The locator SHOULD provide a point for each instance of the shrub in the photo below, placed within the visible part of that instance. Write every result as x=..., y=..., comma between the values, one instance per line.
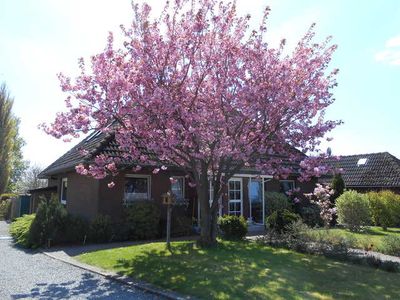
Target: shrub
x=331, y=244
x=232, y=227
x=142, y=220
x=321, y=196
x=7, y=196
x=181, y=226
x=5, y=209
x=280, y=219
x=76, y=229
x=276, y=201
x=100, y=229
x=338, y=186
x=392, y=201
x=353, y=210
x=19, y=230
x=311, y=215
x=297, y=236
x=49, y=223
x=390, y=245
x=380, y=209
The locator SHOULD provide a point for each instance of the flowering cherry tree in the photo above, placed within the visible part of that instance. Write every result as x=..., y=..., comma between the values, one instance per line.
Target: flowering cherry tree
x=198, y=89
x=322, y=197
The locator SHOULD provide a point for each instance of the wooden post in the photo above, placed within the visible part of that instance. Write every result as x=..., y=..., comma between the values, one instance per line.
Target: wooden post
x=168, y=200
x=169, y=226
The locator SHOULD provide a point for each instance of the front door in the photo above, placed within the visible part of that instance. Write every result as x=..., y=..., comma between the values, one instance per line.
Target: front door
x=235, y=197
x=256, y=200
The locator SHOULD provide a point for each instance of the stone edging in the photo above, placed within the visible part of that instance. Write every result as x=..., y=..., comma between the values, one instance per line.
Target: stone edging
x=126, y=280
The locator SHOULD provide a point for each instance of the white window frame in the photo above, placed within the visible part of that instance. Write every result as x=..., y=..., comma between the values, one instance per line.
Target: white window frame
x=183, y=185
x=241, y=195
x=148, y=177
x=63, y=180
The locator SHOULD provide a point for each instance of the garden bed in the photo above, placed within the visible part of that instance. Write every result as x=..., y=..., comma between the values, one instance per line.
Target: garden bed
x=371, y=238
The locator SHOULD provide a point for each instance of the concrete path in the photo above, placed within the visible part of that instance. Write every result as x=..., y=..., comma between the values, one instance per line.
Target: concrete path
x=33, y=275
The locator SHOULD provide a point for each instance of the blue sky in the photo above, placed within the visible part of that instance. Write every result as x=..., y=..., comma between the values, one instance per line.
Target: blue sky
x=40, y=38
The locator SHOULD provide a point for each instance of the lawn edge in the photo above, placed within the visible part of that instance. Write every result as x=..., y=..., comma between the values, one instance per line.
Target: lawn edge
x=126, y=280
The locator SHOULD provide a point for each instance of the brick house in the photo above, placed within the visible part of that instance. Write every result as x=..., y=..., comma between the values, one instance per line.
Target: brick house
x=368, y=172
x=88, y=197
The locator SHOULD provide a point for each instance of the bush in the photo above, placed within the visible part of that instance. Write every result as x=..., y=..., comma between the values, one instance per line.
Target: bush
x=100, y=229
x=142, y=220
x=232, y=227
x=390, y=245
x=7, y=196
x=276, y=201
x=5, y=209
x=49, y=223
x=311, y=215
x=380, y=209
x=76, y=229
x=181, y=226
x=279, y=220
x=19, y=230
x=353, y=210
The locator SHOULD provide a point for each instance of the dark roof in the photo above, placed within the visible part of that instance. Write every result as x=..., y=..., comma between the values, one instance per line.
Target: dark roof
x=368, y=170
x=43, y=189
x=104, y=143
x=93, y=143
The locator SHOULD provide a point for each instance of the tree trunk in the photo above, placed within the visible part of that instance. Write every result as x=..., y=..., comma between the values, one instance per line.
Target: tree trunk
x=208, y=216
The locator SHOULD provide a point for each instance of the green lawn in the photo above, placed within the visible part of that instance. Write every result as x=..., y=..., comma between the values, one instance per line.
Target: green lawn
x=246, y=270
x=371, y=236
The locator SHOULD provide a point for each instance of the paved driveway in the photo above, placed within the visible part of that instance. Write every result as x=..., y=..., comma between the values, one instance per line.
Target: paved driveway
x=30, y=275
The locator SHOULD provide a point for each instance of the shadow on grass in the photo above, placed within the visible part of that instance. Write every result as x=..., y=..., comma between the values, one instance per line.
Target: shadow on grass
x=246, y=270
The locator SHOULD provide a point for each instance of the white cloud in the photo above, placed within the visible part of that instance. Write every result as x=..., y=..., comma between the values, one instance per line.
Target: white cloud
x=393, y=42
x=391, y=53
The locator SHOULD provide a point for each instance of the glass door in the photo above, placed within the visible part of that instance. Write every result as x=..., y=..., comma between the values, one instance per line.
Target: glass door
x=256, y=200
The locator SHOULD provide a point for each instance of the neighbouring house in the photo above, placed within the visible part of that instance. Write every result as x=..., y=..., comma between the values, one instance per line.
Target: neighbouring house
x=368, y=172
x=88, y=197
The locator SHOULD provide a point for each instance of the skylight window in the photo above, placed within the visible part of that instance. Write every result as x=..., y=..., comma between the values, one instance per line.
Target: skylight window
x=361, y=162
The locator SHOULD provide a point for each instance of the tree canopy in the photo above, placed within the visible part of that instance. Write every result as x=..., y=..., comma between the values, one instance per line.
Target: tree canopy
x=198, y=89
x=11, y=161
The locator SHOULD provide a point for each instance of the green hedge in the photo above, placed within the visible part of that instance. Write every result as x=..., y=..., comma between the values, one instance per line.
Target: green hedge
x=276, y=201
x=353, y=210
x=232, y=227
x=142, y=220
x=280, y=220
x=384, y=208
x=20, y=229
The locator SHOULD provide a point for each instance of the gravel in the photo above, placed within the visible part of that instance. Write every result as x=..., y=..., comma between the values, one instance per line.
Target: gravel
x=32, y=275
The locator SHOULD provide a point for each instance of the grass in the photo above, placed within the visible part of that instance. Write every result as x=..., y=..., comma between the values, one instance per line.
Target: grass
x=372, y=236
x=245, y=270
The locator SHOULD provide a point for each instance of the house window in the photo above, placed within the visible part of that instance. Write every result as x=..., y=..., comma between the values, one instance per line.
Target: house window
x=63, y=196
x=178, y=188
x=235, y=197
x=137, y=188
x=286, y=185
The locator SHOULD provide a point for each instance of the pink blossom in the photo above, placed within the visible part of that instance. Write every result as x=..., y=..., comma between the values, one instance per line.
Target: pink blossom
x=111, y=184
x=197, y=91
